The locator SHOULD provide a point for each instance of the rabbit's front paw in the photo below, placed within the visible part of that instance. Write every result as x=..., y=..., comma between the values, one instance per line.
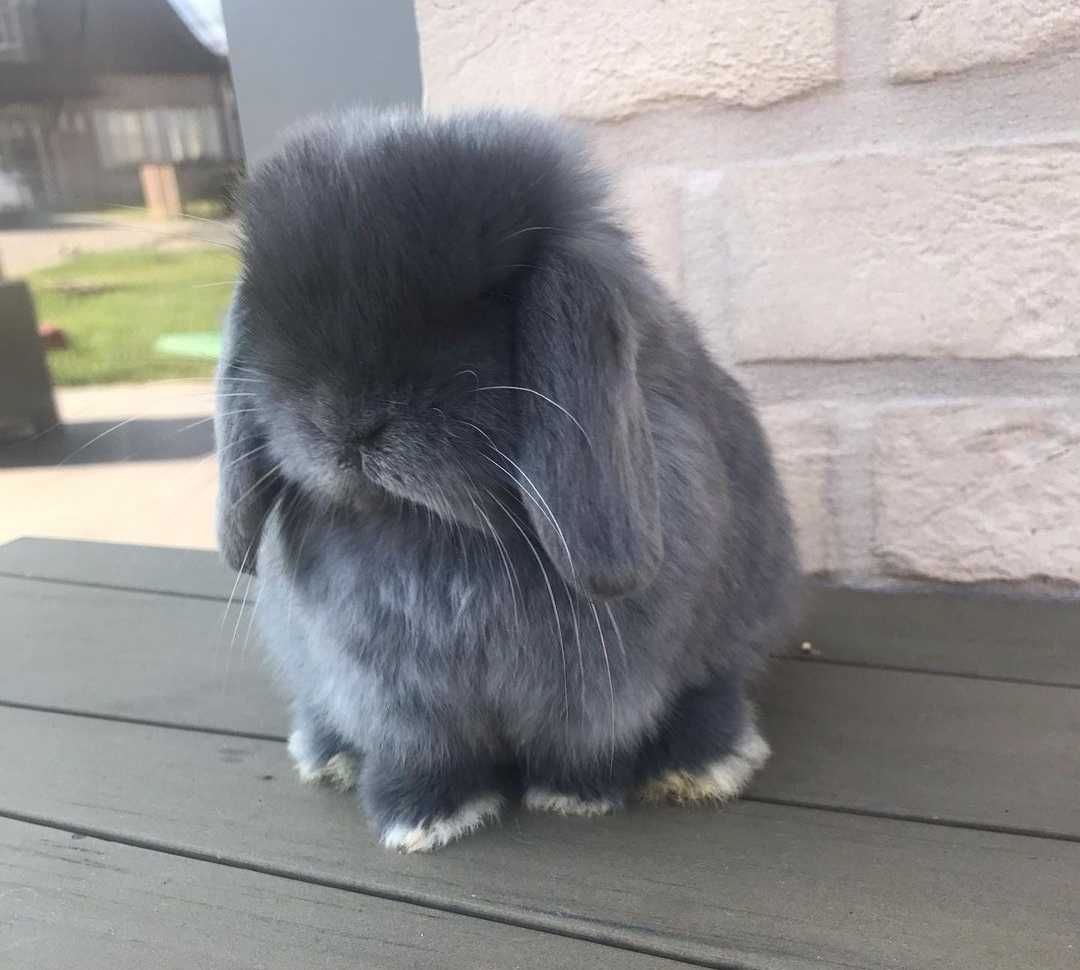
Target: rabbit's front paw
x=339, y=770
x=434, y=833
x=720, y=781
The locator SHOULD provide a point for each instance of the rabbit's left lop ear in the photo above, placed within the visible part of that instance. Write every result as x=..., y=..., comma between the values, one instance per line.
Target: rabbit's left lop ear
x=586, y=445
x=247, y=483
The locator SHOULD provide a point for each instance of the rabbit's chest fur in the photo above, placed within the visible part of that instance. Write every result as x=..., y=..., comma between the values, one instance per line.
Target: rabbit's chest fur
x=427, y=621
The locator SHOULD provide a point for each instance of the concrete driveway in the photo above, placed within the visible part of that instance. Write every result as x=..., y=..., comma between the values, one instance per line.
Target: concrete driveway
x=150, y=480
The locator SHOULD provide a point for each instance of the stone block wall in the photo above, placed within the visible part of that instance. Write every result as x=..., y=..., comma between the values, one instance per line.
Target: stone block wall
x=873, y=208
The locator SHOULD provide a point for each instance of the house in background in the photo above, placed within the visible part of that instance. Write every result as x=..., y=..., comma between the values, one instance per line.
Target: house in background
x=92, y=90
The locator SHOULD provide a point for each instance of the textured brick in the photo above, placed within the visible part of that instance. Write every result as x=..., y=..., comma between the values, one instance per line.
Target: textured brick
x=981, y=492
x=803, y=443
x=964, y=254
x=934, y=37
x=611, y=58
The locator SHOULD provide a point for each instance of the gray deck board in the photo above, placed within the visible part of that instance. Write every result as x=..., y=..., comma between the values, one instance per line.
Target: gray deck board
x=68, y=901
x=119, y=653
x=984, y=752
x=195, y=845
x=1009, y=637
x=1031, y=639
x=188, y=572
x=980, y=752
x=760, y=886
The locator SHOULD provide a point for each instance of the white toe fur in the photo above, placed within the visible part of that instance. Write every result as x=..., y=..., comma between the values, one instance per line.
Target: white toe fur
x=436, y=833
x=544, y=800
x=720, y=781
x=307, y=766
x=339, y=772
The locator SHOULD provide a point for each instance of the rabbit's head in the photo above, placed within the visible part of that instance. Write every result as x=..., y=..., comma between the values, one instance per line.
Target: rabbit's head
x=442, y=313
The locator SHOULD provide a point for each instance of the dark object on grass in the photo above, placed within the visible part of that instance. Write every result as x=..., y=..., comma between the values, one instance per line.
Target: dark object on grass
x=26, y=398
x=52, y=337
x=515, y=531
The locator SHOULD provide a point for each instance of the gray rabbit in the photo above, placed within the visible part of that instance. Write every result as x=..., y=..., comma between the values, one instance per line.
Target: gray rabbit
x=516, y=535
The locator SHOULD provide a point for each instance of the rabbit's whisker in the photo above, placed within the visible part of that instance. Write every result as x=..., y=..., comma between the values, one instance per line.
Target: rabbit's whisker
x=244, y=380
x=223, y=414
x=511, y=573
x=235, y=634
x=164, y=234
x=218, y=452
x=195, y=424
x=145, y=416
x=97, y=438
x=461, y=373
x=182, y=215
x=248, y=491
x=521, y=232
x=543, y=397
x=236, y=584
x=577, y=637
x=618, y=634
x=234, y=367
x=551, y=596
x=247, y=588
x=539, y=501
x=246, y=455
x=251, y=621
x=611, y=683
x=456, y=529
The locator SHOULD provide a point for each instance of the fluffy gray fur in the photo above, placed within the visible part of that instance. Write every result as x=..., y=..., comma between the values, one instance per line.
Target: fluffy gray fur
x=512, y=526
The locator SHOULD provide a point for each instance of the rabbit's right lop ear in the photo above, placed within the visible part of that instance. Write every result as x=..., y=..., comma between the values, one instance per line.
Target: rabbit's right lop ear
x=247, y=483
x=586, y=447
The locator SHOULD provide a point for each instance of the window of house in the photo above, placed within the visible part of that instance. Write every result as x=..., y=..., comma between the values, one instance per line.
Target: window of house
x=158, y=135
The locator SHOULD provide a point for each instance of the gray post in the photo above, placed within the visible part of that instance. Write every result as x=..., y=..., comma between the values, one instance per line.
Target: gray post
x=26, y=398
x=293, y=59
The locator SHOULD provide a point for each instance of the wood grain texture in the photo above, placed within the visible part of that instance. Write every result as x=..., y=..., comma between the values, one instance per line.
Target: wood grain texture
x=129, y=654
x=1013, y=637
x=68, y=901
x=190, y=572
x=1026, y=638
x=972, y=751
x=759, y=886
x=989, y=753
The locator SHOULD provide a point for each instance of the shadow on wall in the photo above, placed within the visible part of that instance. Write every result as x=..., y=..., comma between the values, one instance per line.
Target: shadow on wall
x=100, y=442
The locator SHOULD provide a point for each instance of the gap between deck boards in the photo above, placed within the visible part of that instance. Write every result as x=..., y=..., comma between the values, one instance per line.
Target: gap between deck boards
x=788, y=655
x=752, y=888
x=541, y=924
x=797, y=803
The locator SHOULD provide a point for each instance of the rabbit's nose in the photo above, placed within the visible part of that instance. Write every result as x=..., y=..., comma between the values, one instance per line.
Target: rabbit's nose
x=364, y=433
x=359, y=442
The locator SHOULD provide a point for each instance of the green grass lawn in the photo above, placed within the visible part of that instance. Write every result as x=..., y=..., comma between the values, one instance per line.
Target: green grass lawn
x=114, y=306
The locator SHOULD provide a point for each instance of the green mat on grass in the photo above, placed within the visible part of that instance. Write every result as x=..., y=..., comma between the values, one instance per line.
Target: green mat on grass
x=203, y=345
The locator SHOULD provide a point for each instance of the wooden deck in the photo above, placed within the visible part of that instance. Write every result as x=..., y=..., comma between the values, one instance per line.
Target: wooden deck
x=922, y=809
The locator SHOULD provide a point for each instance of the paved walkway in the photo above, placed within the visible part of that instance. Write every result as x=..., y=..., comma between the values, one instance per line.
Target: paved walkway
x=25, y=250
x=151, y=480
